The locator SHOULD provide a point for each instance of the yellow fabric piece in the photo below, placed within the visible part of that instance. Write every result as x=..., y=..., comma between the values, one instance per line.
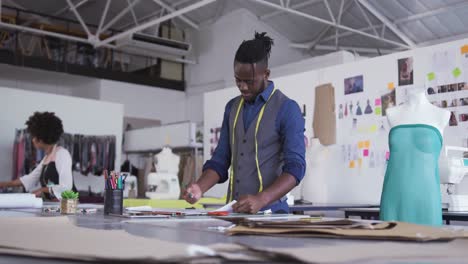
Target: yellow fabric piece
x=173, y=204
x=233, y=141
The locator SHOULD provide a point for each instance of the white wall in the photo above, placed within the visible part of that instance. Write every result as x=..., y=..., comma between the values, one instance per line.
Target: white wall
x=145, y=102
x=344, y=184
x=140, y=101
x=79, y=116
x=48, y=82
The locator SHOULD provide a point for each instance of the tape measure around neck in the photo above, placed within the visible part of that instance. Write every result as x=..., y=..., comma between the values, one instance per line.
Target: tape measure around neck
x=257, y=125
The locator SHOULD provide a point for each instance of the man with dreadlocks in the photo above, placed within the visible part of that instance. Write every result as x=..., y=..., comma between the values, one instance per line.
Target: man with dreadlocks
x=261, y=141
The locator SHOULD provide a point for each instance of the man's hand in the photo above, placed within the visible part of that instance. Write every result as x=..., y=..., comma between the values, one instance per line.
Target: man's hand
x=250, y=204
x=192, y=193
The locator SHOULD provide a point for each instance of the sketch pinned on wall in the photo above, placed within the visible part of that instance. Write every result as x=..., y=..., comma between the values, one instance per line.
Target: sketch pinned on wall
x=405, y=71
x=463, y=117
x=363, y=154
x=448, y=88
x=388, y=100
x=353, y=85
x=346, y=109
x=382, y=126
x=343, y=153
x=453, y=119
x=368, y=108
x=358, y=109
x=214, y=139
x=372, y=160
x=340, y=111
x=443, y=60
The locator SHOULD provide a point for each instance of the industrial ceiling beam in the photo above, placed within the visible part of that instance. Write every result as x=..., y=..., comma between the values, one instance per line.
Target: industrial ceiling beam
x=438, y=11
x=154, y=14
x=296, y=6
x=155, y=21
x=119, y=16
x=67, y=8
x=80, y=19
x=399, y=21
x=327, y=5
x=323, y=21
x=182, y=17
x=387, y=23
x=342, y=10
x=443, y=40
x=103, y=18
x=132, y=11
x=363, y=12
x=355, y=49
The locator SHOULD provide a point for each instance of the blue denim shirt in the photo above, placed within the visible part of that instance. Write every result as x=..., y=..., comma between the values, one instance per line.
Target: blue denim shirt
x=289, y=125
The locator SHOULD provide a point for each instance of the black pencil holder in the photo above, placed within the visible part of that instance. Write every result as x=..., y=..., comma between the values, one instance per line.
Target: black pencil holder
x=113, y=201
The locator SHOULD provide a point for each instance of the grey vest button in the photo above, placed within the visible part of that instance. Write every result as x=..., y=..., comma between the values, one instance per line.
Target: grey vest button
x=242, y=154
x=244, y=141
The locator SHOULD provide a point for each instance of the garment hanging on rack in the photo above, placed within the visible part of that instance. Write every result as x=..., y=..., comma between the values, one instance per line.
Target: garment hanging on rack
x=90, y=153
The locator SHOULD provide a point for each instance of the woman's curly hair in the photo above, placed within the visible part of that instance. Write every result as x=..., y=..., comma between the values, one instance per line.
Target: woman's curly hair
x=45, y=126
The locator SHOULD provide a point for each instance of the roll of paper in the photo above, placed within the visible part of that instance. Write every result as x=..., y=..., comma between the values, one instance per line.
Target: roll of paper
x=19, y=200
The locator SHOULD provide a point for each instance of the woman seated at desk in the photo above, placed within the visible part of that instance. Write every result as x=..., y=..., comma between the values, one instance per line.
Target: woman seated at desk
x=54, y=172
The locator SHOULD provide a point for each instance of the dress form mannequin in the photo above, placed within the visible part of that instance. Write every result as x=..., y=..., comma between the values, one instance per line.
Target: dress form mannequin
x=418, y=110
x=411, y=190
x=165, y=179
x=314, y=187
x=167, y=161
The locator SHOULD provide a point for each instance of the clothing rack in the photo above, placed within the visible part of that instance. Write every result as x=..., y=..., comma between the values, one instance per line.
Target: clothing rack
x=89, y=153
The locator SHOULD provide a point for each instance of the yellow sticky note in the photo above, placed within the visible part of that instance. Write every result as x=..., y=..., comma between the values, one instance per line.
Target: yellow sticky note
x=373, y=128
x=456, y=72
x=391, y=86
x=360, y=163
x=464, y=49
x=361, y=144
x=367, y=144
x=352, y=165
x=431, y=76
x=378, y=111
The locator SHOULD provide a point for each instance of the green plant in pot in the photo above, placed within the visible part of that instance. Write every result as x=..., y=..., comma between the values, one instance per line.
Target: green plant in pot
x=69, y=202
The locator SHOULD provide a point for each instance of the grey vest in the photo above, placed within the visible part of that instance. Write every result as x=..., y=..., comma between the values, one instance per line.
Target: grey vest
x=270, y=151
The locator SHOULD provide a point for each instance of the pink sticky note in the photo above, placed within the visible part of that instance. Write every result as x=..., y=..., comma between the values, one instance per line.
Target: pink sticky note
x=378, y=102
x=365, y=153
x=387, y=155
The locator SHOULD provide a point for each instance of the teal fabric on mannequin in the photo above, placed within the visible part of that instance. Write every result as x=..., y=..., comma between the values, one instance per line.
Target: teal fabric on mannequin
x=411, y=190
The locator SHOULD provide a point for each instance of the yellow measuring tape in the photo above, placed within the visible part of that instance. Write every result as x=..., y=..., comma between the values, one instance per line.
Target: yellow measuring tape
x=260, y=115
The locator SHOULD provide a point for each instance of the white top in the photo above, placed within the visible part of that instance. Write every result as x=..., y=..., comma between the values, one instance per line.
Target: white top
x=63, y=163
x=418, y=110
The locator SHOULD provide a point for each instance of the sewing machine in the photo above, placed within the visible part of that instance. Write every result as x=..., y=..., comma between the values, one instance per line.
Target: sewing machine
x=453, y=169
x=164, y=186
